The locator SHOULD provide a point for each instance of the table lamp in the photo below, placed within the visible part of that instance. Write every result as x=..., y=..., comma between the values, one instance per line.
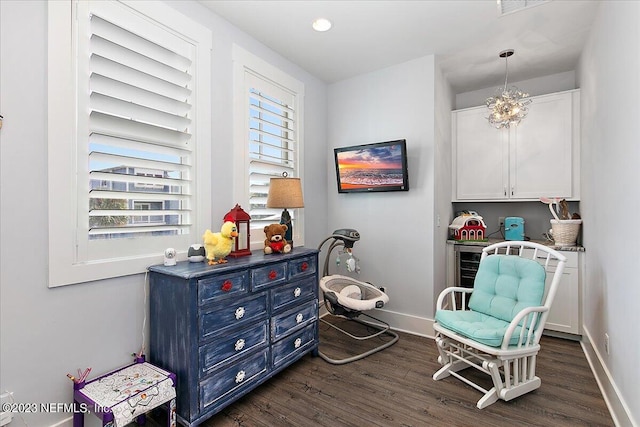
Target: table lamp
x=285, y=193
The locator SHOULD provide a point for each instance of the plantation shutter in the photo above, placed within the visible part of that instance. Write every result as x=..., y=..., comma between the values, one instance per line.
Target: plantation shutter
x=273, y=144
x=139, y=131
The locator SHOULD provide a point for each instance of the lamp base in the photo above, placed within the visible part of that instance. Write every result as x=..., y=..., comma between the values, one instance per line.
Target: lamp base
x=285, y=219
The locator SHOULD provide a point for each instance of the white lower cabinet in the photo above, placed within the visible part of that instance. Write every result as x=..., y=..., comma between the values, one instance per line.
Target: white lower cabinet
x=565, y=315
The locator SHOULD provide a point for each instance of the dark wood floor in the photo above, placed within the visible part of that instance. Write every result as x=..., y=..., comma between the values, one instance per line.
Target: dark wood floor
x=394, y=388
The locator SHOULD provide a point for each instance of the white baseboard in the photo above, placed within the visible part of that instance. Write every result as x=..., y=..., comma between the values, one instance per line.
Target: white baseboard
x=617, y=406
x=415, y=325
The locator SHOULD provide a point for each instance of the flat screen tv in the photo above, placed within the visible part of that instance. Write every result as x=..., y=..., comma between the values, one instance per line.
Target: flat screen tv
x=372, y=167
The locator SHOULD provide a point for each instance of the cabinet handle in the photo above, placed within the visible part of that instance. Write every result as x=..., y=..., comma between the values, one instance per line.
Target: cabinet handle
x=227, y=285
x=297, y=343
x=304, y=266
x=240, y=376
x=299, y=318
x=297, y=292
x=239, y=344
x=512, y=190
x=504, y=189
x=273, y=274
x=239, y=313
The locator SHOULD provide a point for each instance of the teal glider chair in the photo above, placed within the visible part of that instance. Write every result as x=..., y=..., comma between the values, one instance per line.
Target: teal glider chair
x=496, y=326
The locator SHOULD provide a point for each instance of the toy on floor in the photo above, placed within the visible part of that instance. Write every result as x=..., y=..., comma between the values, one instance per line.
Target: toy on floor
x=275, y=241
x=219, y=245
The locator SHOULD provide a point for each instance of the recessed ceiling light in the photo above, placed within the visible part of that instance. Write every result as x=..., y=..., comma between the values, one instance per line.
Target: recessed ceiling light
x=321, y=24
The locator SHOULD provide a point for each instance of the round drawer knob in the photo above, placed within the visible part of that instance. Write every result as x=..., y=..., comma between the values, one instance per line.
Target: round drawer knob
x=240, y=376
x=297, y=343
x=299, y=318
x=239, y=312
x=239, y=344
x=297, y=292
x=273, y=275
x=304, y=266
x=226, y=285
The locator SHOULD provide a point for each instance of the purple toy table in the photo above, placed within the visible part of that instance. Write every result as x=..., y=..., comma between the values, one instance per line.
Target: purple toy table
x=121, y=396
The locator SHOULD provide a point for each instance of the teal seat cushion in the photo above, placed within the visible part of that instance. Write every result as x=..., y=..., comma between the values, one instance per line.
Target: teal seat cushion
x=504, y=285
x=477, y=326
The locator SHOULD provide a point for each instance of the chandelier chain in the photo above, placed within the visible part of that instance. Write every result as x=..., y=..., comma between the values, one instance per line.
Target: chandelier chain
x=506, y=72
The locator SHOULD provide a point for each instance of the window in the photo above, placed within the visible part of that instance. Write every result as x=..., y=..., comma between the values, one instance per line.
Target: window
x=126, y=145
x=269, y=126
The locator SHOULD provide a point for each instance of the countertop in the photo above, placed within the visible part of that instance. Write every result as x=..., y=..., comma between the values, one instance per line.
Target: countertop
x=576, y=248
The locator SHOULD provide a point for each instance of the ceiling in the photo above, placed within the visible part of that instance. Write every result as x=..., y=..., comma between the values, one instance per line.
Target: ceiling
x=465, y=35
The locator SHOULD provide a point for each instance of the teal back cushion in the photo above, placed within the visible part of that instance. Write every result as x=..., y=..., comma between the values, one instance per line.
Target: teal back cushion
x=505, y=284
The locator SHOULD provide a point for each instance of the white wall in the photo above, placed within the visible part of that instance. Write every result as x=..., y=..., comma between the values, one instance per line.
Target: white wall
x=538, y=86
x=609, y=77
x=396, y=228
x=444, y=100
x=45, y=333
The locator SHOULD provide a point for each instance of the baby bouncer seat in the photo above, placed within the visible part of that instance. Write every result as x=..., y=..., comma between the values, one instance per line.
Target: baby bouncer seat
x=348, y=298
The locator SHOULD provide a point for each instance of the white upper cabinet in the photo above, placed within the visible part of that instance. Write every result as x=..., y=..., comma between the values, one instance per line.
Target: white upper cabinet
x=538, y=158
x=480, y=166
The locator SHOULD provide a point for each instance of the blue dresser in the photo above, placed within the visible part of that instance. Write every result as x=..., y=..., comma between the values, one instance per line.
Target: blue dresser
x=227, y=328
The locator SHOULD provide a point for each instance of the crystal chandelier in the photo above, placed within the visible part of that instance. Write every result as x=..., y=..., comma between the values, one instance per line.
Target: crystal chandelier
x=508, y=107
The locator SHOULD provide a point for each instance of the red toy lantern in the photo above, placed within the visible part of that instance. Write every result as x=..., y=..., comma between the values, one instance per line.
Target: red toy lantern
x=242, y=221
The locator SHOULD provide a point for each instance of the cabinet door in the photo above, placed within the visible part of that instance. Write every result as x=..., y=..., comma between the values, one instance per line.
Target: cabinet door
x=480, y=157
x=541, y=150
x=564, y=315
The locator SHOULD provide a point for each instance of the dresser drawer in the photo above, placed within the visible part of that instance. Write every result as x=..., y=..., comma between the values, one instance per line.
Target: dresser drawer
x=235, y=313
x=294, y=293
x=293, y=319
x=217, y=287
x=231, y=346
x=289, y=347
x=302, y=267
x=270, y=275
x=222, y=383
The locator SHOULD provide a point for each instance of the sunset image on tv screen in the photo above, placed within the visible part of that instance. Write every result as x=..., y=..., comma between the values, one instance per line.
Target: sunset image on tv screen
x=371, y=167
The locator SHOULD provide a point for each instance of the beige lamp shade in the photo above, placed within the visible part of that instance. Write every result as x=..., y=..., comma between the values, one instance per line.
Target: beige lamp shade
x=285, y=193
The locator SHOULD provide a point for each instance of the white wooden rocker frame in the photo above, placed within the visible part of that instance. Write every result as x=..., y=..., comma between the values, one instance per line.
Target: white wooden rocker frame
x=511, y=367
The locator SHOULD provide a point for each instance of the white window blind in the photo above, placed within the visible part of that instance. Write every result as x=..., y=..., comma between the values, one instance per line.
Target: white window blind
x=139, y=135
x=129, y=136
x=273, y=144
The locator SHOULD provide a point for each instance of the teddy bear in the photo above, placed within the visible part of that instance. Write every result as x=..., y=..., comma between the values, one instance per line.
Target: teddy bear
x=275, y=241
